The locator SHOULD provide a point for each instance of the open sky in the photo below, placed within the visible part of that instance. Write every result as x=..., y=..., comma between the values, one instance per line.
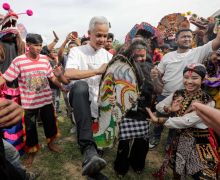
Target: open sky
x=64, y=16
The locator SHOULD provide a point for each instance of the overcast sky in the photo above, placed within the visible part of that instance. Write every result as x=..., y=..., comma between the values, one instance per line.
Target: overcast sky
x=64, y=16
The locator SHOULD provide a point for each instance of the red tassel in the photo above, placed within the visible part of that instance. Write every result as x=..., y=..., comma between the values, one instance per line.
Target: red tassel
x=95, y=127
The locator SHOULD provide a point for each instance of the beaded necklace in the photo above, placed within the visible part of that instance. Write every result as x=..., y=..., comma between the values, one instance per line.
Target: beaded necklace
x=189, y=98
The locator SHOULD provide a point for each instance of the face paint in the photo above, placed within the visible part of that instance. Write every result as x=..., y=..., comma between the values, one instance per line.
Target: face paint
x=139, y=55
x=189, y=73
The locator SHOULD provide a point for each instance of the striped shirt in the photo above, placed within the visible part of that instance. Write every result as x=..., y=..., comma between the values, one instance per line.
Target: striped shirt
x=32, y=79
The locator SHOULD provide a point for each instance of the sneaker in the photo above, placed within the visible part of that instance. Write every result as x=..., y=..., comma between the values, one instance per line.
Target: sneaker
x=98, y=176
x=153, y=143
x=73, y=130
x=31, y=176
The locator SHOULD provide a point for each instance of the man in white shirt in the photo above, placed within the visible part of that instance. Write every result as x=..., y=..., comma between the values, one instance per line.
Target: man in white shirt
x=173, y=63
x=86, y=64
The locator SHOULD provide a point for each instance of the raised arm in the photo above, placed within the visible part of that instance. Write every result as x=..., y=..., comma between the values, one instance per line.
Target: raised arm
x=70, y=37
x=54, y=42
x=62, y=47
x=156, y=77
x=216, y=41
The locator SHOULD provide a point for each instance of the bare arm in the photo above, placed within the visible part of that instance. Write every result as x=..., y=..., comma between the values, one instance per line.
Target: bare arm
x=75, y=74
x=55, y=81
x=156, y=77
x=70, y=37
x=62, y=47
x=2, y=80
x=216, y=41
x=54, y=42
x=59, y=73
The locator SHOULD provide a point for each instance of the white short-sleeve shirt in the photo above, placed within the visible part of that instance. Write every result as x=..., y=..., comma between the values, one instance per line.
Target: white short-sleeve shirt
x=173, y=64
x=86, y=58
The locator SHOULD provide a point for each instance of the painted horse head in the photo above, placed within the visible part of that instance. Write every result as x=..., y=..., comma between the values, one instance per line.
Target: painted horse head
x=205, y=28
x=170, y=24
x=146, y=32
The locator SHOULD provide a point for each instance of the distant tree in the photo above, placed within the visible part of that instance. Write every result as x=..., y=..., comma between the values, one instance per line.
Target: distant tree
x=117, y=45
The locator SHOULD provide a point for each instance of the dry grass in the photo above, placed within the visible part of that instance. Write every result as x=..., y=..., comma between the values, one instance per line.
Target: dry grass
x=67, y=165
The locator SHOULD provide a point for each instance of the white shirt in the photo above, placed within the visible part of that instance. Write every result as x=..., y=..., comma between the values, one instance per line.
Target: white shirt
x=86, y=58
x=173, y=64
x=186, y=121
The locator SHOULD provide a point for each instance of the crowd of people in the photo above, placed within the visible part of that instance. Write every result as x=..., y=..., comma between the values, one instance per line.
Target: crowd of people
x=172, y=94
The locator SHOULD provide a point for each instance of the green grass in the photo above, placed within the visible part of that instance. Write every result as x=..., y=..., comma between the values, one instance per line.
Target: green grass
x=67, y=165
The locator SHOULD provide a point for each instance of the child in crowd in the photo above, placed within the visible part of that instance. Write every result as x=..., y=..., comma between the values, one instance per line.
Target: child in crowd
x=32, y=70
x=191, y=152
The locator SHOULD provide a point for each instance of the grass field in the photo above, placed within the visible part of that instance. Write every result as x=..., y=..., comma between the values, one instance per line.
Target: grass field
x=67, y=165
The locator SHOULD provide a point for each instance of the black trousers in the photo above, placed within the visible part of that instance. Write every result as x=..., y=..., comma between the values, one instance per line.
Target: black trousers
x=48, y=118
x=79, y=101
x=131, y=154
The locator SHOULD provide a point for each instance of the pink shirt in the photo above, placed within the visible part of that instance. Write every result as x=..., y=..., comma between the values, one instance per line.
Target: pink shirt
x=32, y=79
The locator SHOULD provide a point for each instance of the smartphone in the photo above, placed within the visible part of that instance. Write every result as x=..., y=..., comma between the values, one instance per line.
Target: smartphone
x=55, y=35
x=75, y=34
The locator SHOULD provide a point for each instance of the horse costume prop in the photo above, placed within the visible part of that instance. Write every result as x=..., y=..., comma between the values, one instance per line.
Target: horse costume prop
x=144, y=28
x=120, y=79
x=11, y=45
x=150, y=34
x=170, y=24
x=206, y=28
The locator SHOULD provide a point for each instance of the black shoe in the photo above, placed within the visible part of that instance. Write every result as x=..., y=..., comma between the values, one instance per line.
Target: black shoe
x=92, y=162
x=98, y=176
x=93, y=166
x=100, y=152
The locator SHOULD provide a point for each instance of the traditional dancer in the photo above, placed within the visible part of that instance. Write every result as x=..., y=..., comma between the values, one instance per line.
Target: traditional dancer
x=192, y=151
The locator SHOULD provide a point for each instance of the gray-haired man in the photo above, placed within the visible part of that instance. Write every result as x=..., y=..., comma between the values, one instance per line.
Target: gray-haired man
x=85, y=64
